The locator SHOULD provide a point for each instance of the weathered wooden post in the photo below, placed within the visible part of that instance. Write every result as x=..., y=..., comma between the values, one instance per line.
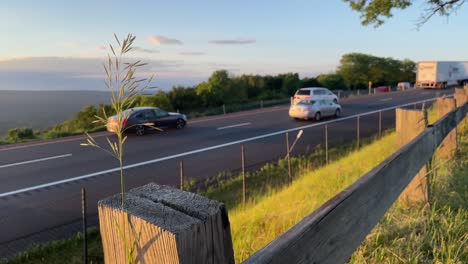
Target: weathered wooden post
x=409, y=124
x=461, y=96
x=448, y=147
x=164, y=225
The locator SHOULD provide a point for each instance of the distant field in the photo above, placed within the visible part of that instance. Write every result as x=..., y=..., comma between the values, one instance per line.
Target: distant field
x=42, y=109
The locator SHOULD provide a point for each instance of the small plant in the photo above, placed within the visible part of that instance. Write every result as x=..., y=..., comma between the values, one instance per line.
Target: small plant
x=125, y=88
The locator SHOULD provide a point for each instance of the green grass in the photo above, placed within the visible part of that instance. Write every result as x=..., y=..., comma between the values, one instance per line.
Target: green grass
x=423, y=234
x=262, y=221
x=63, y=251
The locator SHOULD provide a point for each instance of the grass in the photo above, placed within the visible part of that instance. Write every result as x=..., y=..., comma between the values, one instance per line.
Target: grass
x=423, y=234
x=63, y=251
x=260, y=222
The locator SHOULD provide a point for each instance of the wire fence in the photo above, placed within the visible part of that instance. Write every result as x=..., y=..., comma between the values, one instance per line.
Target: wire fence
x=57, y=213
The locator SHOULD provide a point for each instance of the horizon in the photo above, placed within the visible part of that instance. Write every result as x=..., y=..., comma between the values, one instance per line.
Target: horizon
x=57, y=46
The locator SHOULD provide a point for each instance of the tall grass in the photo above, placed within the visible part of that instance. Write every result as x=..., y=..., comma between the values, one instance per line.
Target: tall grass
x=422, y=234
x=261, y=222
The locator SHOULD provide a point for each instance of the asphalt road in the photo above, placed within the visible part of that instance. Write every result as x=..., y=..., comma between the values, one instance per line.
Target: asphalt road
x=41, y=181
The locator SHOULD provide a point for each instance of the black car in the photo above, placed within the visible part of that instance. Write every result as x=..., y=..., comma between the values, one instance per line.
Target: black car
x=142, y=119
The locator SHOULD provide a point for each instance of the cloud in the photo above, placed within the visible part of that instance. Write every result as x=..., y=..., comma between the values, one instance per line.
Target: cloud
x=102, y=48
x=159, y=40
x=232, y=41
x=191, y=53
x=143, y=50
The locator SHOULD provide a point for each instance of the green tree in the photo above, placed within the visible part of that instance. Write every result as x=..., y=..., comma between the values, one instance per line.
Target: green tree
x=160, y=99
x=374, y=12
x=184, y=99
x=355, y=69
x=332, y=81
x=358, y=69
x=290, y=83
x=309, y=82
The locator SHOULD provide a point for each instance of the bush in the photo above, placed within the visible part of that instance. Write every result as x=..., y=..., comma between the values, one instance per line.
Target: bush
x=19, y=134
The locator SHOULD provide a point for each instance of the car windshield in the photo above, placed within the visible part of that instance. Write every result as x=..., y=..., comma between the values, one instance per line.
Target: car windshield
x=307, y=102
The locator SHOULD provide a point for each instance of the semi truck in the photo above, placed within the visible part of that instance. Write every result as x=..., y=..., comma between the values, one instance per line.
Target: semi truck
x=441, y=74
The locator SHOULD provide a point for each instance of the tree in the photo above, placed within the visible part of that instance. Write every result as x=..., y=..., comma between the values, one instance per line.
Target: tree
x=331, y=81
x=290, y=83
x=358, y=69
x=184, y=98
x=374, y=12
x=309, y=82
x=355, y=69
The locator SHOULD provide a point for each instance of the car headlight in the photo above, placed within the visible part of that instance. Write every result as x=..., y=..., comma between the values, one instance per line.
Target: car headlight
x=184, y=117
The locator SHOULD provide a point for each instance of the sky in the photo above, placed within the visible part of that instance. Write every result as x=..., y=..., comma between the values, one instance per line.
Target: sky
x=61, y=45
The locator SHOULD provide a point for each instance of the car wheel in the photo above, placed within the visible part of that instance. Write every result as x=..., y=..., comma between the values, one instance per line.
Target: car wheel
x=180, y=124
x=335, y=101
x=140, y=130
x=318, y=116
x=337, y=112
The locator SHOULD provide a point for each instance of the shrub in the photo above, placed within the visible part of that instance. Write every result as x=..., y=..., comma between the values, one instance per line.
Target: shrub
x=20, y=134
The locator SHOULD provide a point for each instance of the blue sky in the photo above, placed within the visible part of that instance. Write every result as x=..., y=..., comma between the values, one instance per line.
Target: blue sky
x=59, y=44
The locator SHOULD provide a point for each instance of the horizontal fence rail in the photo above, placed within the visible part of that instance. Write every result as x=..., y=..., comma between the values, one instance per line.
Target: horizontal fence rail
x=333, y=232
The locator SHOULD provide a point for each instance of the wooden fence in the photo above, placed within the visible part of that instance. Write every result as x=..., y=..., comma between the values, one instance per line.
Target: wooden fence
x=333, y=232
x=199, y=231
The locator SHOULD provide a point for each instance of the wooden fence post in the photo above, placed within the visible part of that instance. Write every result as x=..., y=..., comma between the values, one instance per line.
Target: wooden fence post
x=164, y=225
x=461, y=96
x=409, y=124
x=449, y=145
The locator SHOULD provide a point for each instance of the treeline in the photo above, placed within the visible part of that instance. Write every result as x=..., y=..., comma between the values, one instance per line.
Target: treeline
x=354, y=72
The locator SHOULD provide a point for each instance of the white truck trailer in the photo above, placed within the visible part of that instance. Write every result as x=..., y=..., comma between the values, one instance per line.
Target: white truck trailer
x=441, y=74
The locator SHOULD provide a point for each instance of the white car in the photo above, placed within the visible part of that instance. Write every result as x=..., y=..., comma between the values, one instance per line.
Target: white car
x=314, y=93
x=314, y=109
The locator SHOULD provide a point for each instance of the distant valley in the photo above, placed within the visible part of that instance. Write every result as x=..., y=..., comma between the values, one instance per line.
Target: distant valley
x=43, y=109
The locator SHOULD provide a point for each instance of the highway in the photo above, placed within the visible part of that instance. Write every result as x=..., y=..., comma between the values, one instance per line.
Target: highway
x=41, y=181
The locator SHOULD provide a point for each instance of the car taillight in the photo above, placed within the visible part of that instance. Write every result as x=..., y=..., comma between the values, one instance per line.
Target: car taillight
x=124, y=122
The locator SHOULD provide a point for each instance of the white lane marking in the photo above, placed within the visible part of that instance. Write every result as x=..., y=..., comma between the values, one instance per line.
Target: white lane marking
x=33, y=161
x=385, y=99
x=238, y=125
x=139, y=164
